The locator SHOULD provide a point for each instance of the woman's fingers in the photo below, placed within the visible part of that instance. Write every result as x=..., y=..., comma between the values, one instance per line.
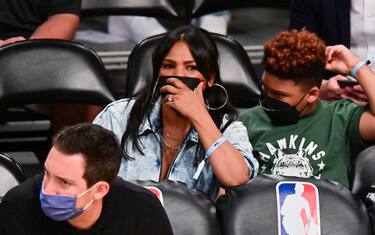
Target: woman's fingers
x=169, y=89
x=176, y=83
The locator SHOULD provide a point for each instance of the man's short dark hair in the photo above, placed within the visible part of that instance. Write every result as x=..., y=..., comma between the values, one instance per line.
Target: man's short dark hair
x=99, y=147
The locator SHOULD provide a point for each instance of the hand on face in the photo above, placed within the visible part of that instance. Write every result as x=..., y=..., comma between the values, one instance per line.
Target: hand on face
x=183, y=100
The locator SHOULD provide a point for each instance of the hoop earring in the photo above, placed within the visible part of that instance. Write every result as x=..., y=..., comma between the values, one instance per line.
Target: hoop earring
x=225, y=102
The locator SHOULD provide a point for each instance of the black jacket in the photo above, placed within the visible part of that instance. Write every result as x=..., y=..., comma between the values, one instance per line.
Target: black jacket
x=127, y=209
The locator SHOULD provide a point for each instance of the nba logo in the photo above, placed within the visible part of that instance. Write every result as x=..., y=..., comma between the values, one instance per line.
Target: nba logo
x=298, y=208
x=157, y=193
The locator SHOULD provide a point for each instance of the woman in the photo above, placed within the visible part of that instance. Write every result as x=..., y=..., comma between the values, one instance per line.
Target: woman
x=176, y=133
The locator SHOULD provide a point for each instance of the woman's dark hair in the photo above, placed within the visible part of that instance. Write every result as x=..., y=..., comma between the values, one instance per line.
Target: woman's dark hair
x=206, y=56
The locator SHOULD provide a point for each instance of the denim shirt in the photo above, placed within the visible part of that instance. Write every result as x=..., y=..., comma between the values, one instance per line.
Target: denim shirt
x=147, y=166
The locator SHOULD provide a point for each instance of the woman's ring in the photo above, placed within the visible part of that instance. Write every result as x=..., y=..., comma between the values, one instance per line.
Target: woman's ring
x=170, y=98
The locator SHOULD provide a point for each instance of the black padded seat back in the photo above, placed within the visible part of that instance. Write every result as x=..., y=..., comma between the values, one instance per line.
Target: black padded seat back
x=237, y=72
x=363, y=173
x=39, y=71
x=251, y=209
x=10, y=174
x=189, y=211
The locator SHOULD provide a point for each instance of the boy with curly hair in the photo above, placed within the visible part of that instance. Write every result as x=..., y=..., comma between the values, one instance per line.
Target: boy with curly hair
x=292, y=131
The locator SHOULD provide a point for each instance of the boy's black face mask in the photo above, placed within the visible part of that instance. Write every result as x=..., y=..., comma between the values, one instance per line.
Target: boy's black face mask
x=190, y=82
x=279, y=112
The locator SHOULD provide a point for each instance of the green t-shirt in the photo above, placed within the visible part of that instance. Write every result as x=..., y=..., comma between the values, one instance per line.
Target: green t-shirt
x=319, y=145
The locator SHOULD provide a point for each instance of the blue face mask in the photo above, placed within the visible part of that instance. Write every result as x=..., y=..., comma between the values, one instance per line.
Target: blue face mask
x=61, y=207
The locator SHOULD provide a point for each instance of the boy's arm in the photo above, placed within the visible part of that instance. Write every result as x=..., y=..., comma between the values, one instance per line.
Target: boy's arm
x=366, y=79
x=341, y=60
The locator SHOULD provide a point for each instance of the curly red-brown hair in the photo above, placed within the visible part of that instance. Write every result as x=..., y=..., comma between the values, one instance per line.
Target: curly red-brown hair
x=296, y=55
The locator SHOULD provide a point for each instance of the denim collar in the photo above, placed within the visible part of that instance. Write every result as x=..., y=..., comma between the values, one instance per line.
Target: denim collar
x=154, y=125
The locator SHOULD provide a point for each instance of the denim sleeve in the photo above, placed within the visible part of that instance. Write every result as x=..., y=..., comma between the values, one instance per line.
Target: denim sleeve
x=236, y=134
x=114, y=117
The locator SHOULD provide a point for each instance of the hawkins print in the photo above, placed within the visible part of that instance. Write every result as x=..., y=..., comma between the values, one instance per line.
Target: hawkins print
x=292, y=164
x=293, y=156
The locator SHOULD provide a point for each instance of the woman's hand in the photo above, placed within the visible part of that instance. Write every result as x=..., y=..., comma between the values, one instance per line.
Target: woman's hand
x=226, y=161
x=185, y=101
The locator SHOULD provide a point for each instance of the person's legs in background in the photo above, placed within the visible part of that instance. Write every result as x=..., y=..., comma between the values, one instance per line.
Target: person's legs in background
x=134, y=28
x=216, y=22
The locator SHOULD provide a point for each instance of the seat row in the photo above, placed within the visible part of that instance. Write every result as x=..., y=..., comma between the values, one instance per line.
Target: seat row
x=269, y=204
x=51, y=71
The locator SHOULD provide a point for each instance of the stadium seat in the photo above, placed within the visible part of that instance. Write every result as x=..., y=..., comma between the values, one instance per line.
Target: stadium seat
x=45, y=71
x=10, y=174
x=271, y=203
x=237, y=72
x=189, y=211
x=363, y=173
x=363, y=180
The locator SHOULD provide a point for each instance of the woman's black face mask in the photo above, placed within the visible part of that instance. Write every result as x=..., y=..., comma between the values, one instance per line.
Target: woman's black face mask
x=279, y=112
x=190, y=82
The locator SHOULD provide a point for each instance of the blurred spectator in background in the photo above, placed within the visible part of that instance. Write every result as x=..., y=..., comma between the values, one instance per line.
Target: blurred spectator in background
x=347, y=22
x=24, y=19
x=136, y=28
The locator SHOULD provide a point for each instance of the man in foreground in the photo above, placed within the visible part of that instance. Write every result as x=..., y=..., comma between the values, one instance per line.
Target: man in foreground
x=79, y=192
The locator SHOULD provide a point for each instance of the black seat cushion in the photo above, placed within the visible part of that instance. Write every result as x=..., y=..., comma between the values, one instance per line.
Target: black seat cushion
x=189, y=211
x=45, y=71
x=40, y=71
x=252, y=208
x=363, y=173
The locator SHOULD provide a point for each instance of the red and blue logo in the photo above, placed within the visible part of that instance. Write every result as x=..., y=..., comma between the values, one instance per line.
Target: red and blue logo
x=298, y=208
